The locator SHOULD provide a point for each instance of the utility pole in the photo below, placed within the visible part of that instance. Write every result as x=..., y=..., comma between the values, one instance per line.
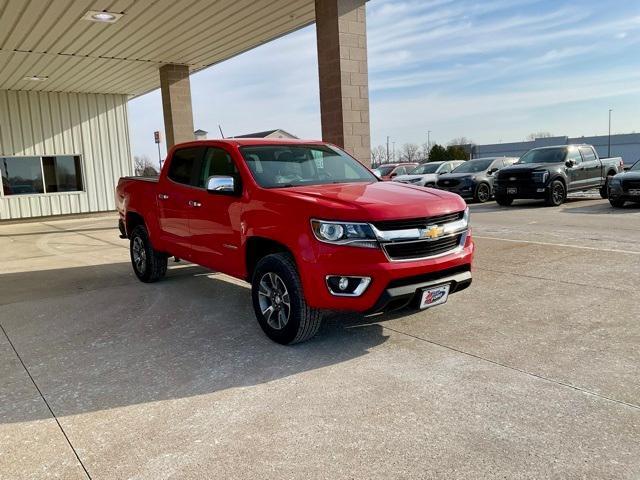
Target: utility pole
x=428, y=144
x=609, y=150
x=394, y=151
x=387, y=159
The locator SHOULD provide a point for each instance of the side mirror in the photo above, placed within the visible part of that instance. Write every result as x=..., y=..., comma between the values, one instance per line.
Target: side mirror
x=570, y=163
x=221, y=184
x=393, y=175
x=492, y=171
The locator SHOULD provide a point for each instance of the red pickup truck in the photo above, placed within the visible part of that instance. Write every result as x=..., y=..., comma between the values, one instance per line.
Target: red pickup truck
x=312, y=230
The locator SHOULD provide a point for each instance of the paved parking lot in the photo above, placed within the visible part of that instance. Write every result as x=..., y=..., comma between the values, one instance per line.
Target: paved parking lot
x=533, y=372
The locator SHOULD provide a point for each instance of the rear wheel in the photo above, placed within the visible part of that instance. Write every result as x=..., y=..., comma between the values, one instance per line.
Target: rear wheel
x=556, y=194
x=148, y=264
x=483, y=193
x=504, y=200
x=279, y=303
x=604, y=190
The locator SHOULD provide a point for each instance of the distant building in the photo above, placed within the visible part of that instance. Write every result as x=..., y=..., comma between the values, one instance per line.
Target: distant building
x=200, y=134
x=278, y=133
x=626, y=146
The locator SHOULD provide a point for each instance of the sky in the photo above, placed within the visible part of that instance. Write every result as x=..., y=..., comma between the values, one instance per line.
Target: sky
x=492, y=71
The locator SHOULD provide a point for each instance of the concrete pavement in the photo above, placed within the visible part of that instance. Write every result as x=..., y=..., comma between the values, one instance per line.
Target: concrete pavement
x=530, y=373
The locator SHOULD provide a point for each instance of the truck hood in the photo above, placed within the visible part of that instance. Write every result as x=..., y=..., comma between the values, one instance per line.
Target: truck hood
x=427, y=177
x=459, y=176
x=529, y=167
x=372, y=201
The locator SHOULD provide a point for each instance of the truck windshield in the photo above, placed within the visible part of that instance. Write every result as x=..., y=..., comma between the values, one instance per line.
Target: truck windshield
x=545, y=155
x=426, y=168
x=473, y=166
x=277, y=166
x=635, y=167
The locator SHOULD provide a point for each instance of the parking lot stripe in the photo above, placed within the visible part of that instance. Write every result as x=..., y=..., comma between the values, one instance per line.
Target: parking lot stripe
x=563, y=245
x=504, y=365
x=45, y=401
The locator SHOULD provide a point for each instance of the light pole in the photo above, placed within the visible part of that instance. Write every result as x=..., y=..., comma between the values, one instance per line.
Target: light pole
x=428, y=144
x=394, y=151
x=387, y=159
x=609, y=150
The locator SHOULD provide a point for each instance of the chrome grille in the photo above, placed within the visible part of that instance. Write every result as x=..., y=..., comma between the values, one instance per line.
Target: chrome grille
x=388, y=225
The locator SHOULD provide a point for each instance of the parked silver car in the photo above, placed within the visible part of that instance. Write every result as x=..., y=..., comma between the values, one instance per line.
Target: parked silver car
x=426, y=174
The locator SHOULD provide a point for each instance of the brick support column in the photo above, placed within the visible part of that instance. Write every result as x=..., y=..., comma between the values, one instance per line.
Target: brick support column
x=176, y=103
x=344, y=84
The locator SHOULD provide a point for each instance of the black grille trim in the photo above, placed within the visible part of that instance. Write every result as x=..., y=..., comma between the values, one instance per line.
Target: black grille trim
x=422, y=248
x=387, y=225
x=428, y=277
x=630, y=184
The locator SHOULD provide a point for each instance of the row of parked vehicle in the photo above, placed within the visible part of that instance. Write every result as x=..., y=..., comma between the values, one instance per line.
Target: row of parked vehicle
x=547, y=173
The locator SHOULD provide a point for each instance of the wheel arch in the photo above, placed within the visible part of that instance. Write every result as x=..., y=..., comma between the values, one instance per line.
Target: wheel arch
x=133, y=219
x=259, y=247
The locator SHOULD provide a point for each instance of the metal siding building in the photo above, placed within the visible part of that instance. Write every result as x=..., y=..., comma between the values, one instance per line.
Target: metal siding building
x=93, y=126
x=68, y=68
x=626, y=146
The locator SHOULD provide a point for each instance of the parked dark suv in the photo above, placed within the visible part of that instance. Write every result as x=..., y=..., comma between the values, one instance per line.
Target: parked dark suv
x=625, y=187
x=474, y=178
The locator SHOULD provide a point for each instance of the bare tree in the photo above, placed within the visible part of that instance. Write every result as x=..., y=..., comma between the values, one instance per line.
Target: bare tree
x=143, y=166
x=410, y=152
x=379, y=155
x=532, y=136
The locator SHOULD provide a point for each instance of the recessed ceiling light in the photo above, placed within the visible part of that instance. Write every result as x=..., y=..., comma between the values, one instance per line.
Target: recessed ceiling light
x=102, y=17
x=37, y=78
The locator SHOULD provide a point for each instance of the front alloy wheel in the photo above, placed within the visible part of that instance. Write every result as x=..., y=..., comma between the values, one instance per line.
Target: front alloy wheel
x=483, y=193
x=279, y=303
x=557, y=194
x=274, y=300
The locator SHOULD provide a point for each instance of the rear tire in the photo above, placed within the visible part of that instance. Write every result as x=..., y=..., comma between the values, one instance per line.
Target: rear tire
x=279, y=303
x=483, y=193
x=504, y=201
x=604, y=190
x=556, y=195
x=149, y=265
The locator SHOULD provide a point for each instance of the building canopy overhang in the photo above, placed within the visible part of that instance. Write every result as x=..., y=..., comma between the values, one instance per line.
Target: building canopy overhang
x=51, y=46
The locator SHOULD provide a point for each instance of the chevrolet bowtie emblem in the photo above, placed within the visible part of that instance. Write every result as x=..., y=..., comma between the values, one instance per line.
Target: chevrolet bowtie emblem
x=433, y=232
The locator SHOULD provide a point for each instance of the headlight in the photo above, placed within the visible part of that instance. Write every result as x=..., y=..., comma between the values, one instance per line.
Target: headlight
x=541, y=176
x=341, y=233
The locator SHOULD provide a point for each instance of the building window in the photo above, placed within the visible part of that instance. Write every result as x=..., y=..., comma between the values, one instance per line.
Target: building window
x=24, y=175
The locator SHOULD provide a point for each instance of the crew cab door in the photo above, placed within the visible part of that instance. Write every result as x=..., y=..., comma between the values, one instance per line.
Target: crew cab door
x=592, y=168
x=214, y=220
x=575, y=174
x=175, y=191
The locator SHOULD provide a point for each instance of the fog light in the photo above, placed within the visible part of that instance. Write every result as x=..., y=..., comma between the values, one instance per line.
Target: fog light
x=342, y=286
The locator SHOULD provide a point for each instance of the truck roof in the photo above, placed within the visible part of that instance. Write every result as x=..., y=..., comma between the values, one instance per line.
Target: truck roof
x=242, y=142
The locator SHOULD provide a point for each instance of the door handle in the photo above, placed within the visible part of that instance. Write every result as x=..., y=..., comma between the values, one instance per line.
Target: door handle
x=163, y=196
x=193, y=203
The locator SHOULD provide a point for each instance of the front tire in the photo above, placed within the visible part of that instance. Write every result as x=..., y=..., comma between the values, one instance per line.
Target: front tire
x=504, y=201
x=483, y=193
x=617, y=202
x=149, y=265
x=279, y=303
x=556, y=195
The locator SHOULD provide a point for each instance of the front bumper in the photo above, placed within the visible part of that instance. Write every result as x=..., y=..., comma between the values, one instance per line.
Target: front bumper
x=617, y=192
x=465, y=190
x=393, y=283
x=523, y=190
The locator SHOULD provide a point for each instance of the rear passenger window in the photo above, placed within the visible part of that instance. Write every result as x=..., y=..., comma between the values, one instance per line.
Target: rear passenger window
x=183, y=165
x=587, y=154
